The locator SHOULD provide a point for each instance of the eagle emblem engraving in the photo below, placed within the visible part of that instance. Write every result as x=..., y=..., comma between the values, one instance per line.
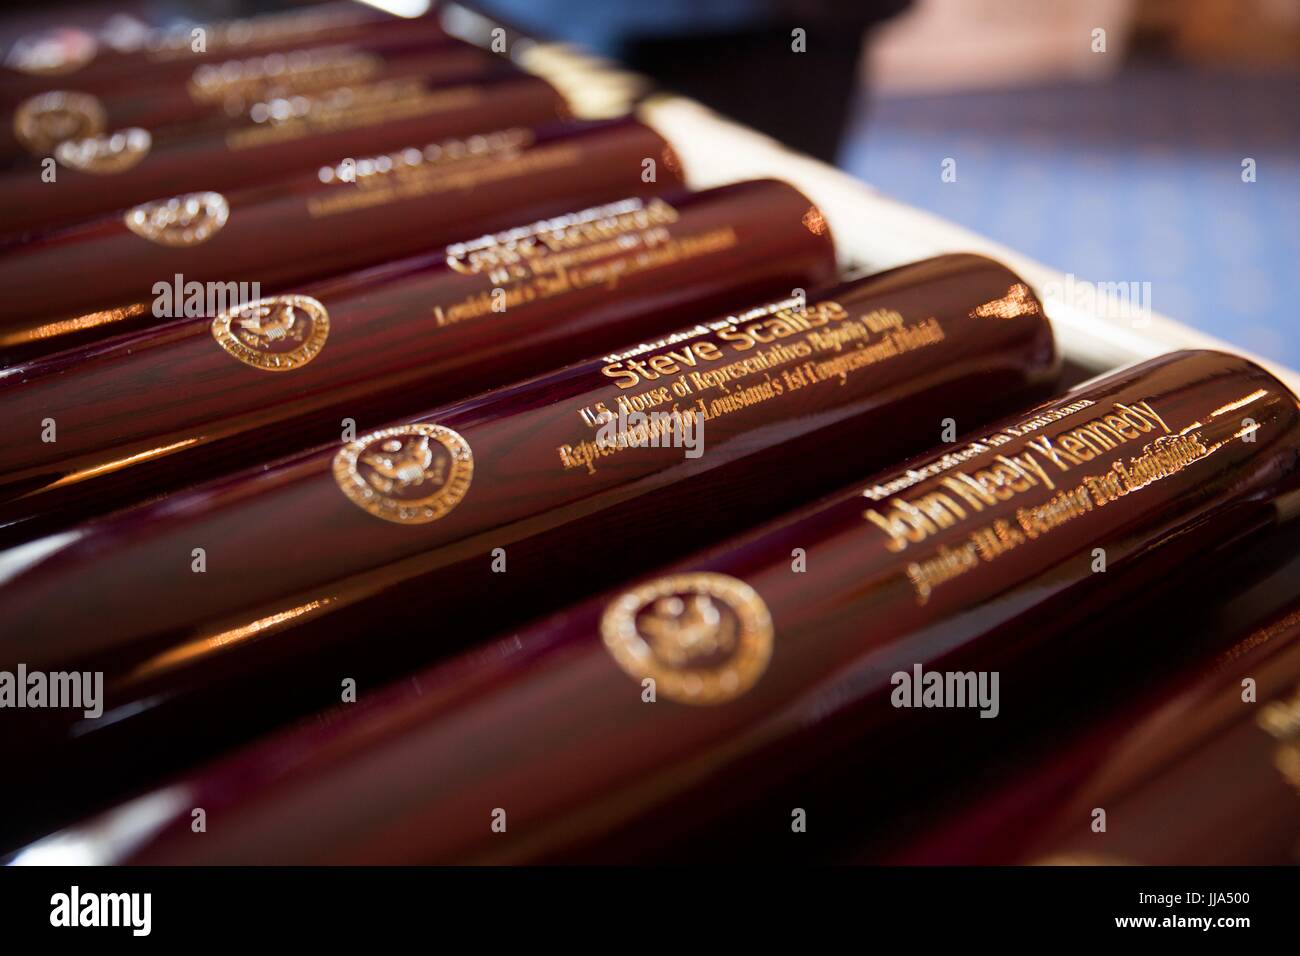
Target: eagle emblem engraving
x=278, y=334
x=700, y=637
x=407, y=474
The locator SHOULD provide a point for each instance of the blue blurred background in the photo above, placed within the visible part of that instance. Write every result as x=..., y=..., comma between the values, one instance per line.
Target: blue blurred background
x=1134, y=179
x=1116, y=157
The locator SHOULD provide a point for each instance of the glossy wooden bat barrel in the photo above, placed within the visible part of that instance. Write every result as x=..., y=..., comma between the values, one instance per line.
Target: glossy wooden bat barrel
x=345, y=215
x=218, y=95
x=418, y=537
x=1194, y=762
x=70, y=57
x=1235, y=766
x=120, y=168
x=661, y=705
x=199, y=397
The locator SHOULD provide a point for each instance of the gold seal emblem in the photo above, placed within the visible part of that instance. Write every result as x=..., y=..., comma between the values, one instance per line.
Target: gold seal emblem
x=105, y=154
x=409, y=474
x=44, y=121
x=277, y=334
x=180, y=221
x=705, y=638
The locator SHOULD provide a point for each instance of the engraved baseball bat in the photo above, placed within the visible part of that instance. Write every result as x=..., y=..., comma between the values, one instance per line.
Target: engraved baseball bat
x=219, y=95
x=344, y=215
x=70, y=57
x=146, y=413
x=421, y=536
x=1236, y=772
x=1199, y=764
x=628, y=720
x=119, y=168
